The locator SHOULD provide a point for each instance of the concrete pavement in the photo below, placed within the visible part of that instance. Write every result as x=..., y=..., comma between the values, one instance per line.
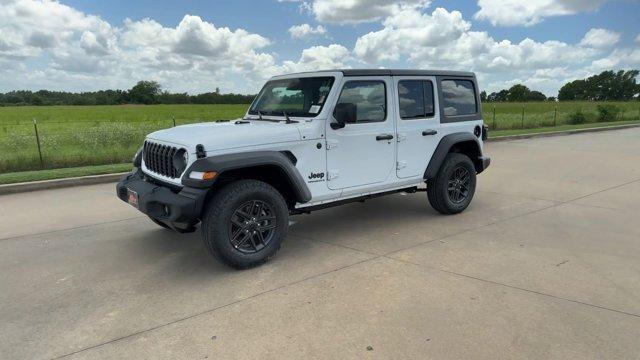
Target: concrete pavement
x=544, y=264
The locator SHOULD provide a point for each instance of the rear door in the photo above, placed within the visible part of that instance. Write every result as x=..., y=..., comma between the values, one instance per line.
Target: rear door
x=418, y=124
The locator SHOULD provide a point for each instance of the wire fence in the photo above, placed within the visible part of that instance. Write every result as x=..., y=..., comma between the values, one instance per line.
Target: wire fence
x=57, y=144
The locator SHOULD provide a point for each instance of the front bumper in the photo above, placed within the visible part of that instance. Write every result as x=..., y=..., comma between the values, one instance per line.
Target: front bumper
x=179, y=209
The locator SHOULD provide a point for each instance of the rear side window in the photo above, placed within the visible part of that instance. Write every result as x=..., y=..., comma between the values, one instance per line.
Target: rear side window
x=459, y=97
x=416, y=99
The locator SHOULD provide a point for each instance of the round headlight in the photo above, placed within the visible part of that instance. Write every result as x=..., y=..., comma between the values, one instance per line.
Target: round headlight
x=137, y=158
x=180, y=160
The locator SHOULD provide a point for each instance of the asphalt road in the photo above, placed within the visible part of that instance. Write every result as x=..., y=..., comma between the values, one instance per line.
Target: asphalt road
x=545, y=264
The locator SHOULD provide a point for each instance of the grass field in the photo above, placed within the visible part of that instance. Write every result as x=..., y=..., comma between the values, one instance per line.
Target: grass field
x=100, y=135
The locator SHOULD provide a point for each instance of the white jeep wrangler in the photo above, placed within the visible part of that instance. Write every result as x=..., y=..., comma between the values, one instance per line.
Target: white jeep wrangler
x=310, y=141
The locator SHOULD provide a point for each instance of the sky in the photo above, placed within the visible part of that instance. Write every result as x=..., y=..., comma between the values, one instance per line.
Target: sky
x=235, y=45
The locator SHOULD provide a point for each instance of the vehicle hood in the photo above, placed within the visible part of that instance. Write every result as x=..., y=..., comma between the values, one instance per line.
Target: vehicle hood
x=227, y=135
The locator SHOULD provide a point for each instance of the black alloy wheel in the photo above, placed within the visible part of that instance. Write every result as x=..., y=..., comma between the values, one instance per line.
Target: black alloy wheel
x=458, y=185
x=252, y=226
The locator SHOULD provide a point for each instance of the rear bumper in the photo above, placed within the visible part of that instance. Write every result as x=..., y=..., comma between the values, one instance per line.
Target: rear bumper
x=483, y=163
x=180, y=209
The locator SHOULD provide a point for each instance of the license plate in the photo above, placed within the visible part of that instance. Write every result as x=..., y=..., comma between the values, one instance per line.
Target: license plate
x=132, y=198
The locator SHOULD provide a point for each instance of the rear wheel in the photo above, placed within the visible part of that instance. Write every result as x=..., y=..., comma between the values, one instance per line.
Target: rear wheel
x=452, y=190
x=245, y=223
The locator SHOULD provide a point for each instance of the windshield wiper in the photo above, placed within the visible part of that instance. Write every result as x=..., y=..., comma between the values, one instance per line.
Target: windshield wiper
x=287, y=119
x=260, y=118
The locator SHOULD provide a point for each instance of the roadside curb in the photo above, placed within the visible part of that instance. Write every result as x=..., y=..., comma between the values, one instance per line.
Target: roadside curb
x=59, y=183
x=109, y=178
x=561, y=133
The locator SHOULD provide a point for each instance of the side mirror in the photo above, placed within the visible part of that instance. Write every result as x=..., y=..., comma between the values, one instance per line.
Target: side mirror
x=344, y=113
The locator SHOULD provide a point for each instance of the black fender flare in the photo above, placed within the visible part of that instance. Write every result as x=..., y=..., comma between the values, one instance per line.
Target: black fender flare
x=444, y=147
x=235, y=161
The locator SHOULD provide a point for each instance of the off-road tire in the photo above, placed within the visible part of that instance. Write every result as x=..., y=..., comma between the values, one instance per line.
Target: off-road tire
x=158, y=222
x=437, y=188
x=217, y=218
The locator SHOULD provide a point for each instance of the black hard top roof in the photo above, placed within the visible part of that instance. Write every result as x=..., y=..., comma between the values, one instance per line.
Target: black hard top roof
x=403, y=72
x=398, y=72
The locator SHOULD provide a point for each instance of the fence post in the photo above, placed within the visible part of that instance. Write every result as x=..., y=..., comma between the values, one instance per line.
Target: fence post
x=494, y=117
x=522, y=117
x=35, y=127
x=555, y=115
x=174, y=121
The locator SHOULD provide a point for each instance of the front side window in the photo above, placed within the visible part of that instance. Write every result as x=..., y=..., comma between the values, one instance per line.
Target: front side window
x=416, y=99
x=459, y=97
x=369, y=98
x=302, y=97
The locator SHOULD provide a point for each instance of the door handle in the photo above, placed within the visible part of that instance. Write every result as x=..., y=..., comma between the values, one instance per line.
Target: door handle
x=429, y=132
x=384, y=137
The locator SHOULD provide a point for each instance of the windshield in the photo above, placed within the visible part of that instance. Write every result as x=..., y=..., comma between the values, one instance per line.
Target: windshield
x=303, y=97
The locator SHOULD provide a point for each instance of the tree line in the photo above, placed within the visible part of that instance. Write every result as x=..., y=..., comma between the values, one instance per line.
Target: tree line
x=606, y=86
x=144, y=92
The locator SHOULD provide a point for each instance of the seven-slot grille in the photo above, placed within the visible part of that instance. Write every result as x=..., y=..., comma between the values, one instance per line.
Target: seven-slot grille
x=159, y=159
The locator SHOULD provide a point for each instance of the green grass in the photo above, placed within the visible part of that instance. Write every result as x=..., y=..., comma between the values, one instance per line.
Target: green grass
x=37, y=175
x=72, y=136
x=541, y=114
x=498, y=133
x=23, y=176
x=90, y=135
x=24, y=115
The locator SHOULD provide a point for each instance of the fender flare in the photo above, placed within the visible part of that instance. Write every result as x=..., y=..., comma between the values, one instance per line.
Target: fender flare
x=444, y=146
x=227, y=162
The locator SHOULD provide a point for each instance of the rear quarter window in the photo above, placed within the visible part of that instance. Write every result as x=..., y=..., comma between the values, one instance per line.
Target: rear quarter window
x=459, y=97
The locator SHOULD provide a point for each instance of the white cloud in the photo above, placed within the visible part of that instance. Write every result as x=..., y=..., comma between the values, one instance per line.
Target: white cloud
x=408, y=29
x=619, y=59
x=530, y=12
x=193, y=56
x=305, y=30
x=329, y=57
x=600, y=38
x=357, y=11
x=638, y=38
x=444, y=39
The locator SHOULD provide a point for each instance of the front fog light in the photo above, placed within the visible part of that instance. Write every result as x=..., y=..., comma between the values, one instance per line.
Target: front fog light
x=203, y=175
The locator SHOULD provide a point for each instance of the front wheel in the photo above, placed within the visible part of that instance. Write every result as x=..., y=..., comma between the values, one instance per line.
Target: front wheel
x=245, y=223
x=452, y=190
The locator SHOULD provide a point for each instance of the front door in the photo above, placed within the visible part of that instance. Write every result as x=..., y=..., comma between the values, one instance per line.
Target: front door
x=362, y=152
x=418, y=124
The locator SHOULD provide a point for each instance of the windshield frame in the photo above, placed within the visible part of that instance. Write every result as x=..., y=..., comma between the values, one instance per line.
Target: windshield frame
x=253, y=112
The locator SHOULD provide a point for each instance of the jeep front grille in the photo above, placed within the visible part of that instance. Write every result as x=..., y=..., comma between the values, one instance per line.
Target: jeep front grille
x=159, y=159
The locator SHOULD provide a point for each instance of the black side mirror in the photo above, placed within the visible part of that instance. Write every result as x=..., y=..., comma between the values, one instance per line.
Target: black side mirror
x=344, y=113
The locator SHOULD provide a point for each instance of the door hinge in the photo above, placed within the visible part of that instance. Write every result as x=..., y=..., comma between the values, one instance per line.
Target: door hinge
x=333, y=175
x=332, y=144
x=401, y=165
x=402, y=137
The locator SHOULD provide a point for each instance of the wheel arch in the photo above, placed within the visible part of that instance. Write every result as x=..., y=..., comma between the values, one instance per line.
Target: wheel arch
x=273, y=167
x=461, y=142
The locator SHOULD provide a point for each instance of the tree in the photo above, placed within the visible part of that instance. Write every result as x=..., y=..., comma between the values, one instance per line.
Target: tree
x=518, y=92
x=536, y=96
x=500, y=96
x=145, y=92
x=483, y=96
x=606, y=86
